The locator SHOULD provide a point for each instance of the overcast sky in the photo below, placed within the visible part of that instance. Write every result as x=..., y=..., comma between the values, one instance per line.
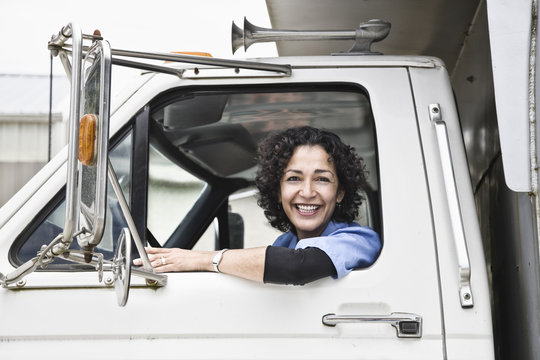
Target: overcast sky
x=150, y=25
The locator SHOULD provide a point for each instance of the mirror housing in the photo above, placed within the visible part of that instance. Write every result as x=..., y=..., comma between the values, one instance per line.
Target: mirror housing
x=93, y=143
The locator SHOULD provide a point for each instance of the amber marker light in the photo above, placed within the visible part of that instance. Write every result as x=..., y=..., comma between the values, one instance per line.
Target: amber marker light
x=87, y=139
x=192, y=53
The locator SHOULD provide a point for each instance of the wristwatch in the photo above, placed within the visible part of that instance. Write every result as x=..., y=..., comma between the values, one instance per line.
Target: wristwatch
x=216, y=260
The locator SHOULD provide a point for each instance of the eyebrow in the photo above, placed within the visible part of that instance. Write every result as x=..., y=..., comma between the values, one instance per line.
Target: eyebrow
x=317, y=171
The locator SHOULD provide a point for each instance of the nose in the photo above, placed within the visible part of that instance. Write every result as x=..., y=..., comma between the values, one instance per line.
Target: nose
x=307, y=189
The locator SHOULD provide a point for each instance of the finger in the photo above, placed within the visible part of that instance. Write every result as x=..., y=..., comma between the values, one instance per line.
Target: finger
x=165, y=268
x=157, y=262
x=154, y=261
x=151, y=250
x=157, y=251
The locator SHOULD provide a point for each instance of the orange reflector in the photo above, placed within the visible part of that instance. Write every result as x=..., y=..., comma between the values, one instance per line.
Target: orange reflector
x=194, y=53
x=87, y=139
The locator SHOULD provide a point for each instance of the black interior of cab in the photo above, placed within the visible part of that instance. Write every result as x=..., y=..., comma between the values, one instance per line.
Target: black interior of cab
x=213, y=202
x=223, y=148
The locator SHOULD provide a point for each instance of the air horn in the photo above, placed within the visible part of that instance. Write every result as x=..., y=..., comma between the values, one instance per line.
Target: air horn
x=366, y=34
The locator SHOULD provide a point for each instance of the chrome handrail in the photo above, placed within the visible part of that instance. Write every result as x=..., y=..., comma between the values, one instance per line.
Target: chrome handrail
x=202, y=60
x=456, y=217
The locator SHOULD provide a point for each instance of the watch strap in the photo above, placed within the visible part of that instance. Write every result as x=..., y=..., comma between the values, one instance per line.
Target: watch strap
x=216, y=260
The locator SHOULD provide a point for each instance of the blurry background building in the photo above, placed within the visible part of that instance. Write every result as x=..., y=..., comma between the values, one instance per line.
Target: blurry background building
x=30, y=134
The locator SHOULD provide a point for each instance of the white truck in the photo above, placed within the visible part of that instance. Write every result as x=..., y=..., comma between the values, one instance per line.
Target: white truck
x=171, y=163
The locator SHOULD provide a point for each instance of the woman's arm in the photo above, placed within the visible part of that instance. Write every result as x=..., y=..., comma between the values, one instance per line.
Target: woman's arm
x=244, y=263
x=270, y=264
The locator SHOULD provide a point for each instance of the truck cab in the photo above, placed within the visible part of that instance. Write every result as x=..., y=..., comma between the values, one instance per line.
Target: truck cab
x=181, y=145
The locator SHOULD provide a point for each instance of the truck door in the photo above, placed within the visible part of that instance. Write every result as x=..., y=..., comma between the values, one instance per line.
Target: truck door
x=200, y=141
x=391, y=309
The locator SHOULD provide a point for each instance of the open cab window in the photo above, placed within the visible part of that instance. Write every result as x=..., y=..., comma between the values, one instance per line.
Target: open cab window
x=213, y=135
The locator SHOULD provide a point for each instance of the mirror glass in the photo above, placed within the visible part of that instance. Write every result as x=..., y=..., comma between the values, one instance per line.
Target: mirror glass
x=93, y=141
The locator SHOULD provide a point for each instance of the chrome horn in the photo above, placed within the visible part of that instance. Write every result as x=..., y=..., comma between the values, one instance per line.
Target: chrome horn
x=366, y=34
x=237, y=37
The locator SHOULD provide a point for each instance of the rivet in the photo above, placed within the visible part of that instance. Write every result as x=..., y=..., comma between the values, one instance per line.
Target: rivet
x=109, y=281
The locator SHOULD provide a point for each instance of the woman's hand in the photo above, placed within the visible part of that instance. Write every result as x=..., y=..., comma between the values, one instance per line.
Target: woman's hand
x=174, y=259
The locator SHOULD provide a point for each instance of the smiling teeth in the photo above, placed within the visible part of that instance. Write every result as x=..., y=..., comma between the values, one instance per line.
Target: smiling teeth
x=307, y=208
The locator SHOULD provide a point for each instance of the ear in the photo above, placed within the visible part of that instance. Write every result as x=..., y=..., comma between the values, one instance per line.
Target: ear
x=340, y=195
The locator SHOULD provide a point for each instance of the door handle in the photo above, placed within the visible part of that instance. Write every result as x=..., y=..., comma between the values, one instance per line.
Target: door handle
x=407, y=325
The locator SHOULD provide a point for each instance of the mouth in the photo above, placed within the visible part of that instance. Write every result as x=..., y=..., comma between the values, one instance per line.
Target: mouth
x=307, y=209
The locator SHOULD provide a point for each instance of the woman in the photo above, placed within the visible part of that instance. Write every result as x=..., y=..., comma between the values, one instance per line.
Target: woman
x=313, y=200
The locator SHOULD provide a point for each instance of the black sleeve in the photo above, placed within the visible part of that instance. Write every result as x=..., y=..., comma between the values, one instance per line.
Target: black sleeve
x=298, y=267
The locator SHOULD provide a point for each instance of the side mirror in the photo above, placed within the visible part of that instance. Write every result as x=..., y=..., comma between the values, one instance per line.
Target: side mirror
x=86, y=186
x=88, y=169
x=93, y=143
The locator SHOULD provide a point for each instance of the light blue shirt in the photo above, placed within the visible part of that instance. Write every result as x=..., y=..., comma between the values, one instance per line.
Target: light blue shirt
x=348, y=245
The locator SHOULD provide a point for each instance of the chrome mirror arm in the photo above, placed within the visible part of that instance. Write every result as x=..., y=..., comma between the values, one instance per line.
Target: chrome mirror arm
x=59, y=247
x=127, y=215
x=147, y=271
x=18, y=274
x=44, y=257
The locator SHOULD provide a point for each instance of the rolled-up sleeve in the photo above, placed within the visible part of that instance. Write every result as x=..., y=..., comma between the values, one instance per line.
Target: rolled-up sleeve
x=349, y=248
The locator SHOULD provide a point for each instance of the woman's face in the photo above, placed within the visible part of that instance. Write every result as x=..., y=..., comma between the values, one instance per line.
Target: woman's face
x=309, y=190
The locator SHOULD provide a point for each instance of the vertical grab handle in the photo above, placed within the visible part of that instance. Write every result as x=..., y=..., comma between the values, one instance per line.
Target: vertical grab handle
x=454, y=207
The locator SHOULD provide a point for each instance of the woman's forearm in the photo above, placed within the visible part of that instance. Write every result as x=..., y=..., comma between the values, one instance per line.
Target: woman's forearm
x=244, y=263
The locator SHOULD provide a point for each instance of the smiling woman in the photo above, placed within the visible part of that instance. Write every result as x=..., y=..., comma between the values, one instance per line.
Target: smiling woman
x=315, y=201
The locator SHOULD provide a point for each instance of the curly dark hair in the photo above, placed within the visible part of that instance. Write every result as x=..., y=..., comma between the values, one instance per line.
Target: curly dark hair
x=273, y=155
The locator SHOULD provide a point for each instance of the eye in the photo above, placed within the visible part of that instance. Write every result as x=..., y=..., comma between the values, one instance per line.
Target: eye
x=323, y=179
x=292, y=178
